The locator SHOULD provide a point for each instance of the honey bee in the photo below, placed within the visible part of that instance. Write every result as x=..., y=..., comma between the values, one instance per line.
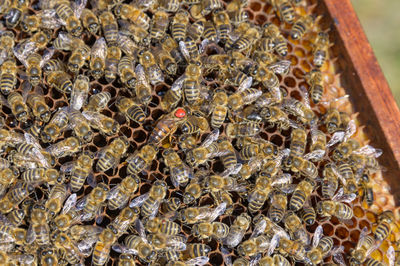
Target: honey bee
x=194, y=190
x=7, y=178
x=9, y=138
x=110, y=27
x=284, y=9
x=30, y=150
x=222, y=24
x=243, y=97
x=33, y=64
x=368, y=193
x=121, y=193
x=98, y=56
x=53, y=65
x=320, y=50
x=141, y=159
x=80, y=126
x=79, y=169
x=110, y=155
x=272, y=38
x=171, y=205
x=278, y=207
x=11, y=235
x=219, y=109
x=332, y=120
x=130, y=109
x=48, y=257
x=207, y=150
x=111, y=63
x=103, y=245
x=345, y=149
x=138, y=34
x=330, y=182
x=336, y=207
x=57, y=124
x=236, y=11
x=60, y=81
x=237, y=230
x=4, y=163
x=301, y=194
x=189, y=49
x=180, y=173
x=125, y=219
x=257, y=243
x=150, y=202
x=165, y=61
x=39, y=229
x=134, y=14
x=243, y=129
x=167, y=125
x=275, y=116
x=126, y=259
x=179, y=24
x=201, y=260
x=192, y=215
x=151, y=68
x=15, y=12
x=196, y=29
x=92, y=204
x=159, y=25
x=106, y=125
x=57, y=195
x=214, y=230
x=385, y=225
x=314, y=79
x=222, y=182
x=41, y=175
x=18, y=107
x=126, y=71
x=295, y=228
x=63, y=242
x=138, y=246
x=164, y=226
x=246, y=39
x=98, y=101
x=90, y=21
x=37, y=103
x=322, y=247
x=70, y=17
x=78, y=58
x=303, y=112
x=7, y=42
x=301, y=27
x=210, y=32
x=308, y=214
x=365, y=246
x=79, y=92
x=318, y=144
x=66, y=147
x=142, y=88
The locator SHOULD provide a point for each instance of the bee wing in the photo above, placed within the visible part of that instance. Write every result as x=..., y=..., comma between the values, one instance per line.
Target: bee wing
x=226, y=256
x=315, y=155
x=85, y=246
x=335, y=250
x=122, y=249
x=246, y=84
x=24, y=259
x=233, y=170
x=30, y=235
x=203, y=45
x=69, y=203
x=47, y=55
x=340, y=197
x=198, y=261
x=217, y=212
x=78, y=7
x=49, y=19
x=282, y=179
x=368, y=150
x=273, y=244
x=280, y=231
x=177, y=243
x=3, y=56
x=128, y=47
x=178, y=83
x=350, y=129
x=338, y=258
x=363, y=234
x=213, y=136
x=184, y=50
x=141, y=75
x=66, y=40
x=140, y=229
x=99, y=49
x=337, y=137
x=317, y=236
x=156, y=206
x=113, y=192
x=91, y=180
x=391, y=255
x=23, y=50
x=232, y=240
x=280, y=67
x=138, y=201
x=26, y=88
x=254, y=260
x=99, y=214
x=373, y=248
x=259, y=228
x=80, y=204
x=306, y=96
x=4, y=220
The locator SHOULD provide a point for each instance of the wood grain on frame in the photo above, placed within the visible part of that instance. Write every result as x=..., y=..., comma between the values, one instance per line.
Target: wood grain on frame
x=369, y=91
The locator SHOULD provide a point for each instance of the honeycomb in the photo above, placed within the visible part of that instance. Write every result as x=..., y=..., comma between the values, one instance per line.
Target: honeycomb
x=300, y=55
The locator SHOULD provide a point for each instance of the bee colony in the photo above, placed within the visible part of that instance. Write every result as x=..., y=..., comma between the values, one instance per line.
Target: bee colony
x=168, y=132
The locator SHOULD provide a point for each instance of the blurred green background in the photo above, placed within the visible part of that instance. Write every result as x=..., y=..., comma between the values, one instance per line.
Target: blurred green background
x=381, y=22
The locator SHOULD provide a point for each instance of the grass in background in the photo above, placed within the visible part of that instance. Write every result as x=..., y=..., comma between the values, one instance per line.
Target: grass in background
x=381, y=22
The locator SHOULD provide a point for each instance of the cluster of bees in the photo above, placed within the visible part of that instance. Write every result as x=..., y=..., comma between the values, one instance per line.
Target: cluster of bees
x=63, y=46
